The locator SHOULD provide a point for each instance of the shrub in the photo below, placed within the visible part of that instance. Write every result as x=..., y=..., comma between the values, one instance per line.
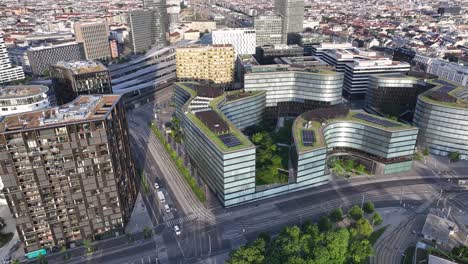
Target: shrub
x=356, y=212
x=369, y=207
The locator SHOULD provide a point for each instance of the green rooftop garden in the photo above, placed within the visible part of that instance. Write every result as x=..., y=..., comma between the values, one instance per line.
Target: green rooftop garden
x=300, y=123
x=460, y=103
x=245, y=142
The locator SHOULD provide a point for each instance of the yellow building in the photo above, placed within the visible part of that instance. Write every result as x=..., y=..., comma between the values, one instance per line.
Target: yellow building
x=214, y=64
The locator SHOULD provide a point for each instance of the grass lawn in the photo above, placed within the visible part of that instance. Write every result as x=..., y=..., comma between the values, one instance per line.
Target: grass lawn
x=271, y=179
x=376, y=234
x=5, y=238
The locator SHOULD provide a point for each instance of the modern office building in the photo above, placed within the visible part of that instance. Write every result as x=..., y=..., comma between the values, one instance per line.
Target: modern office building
x=357, y=74
x=449, y=10
x=140, y=25
x=67, y=171
x=42, y=57
x=173, y=11
x=8, y=72
x=292, y=14
x=267, y=54
x=75, y=78
x=242, y=39
x=95, y=38
x=381, y=145
x=159, y=23
x=268, y=30
x=291, y=90
x=309, y=39
x=23, y=98
x=139, y=79
x=393, y=94
x=226, y=159
x=207, y=63
x=320, y=49
x=442, y=118
x=19, y=57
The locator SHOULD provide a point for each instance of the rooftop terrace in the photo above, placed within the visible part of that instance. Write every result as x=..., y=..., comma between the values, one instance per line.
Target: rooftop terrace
x=19, y=91
x=446, y=93
x=84, y=108
x=80, y=67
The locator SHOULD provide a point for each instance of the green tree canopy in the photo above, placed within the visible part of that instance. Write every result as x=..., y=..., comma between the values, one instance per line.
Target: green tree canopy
x=377, y=219
x=360, y=250
x=324, y=224
x=363, y=227
x=336, y=215
x=369, y=207
x=356, y=212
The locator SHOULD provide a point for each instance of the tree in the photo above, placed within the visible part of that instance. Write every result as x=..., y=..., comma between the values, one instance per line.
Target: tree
x=369, y=207
x=251, y=254
x=289, y=243
x=454, y=156
x=356, y=212
x=426, y=151
x=336, y=215
x=324, y=224
x=63, y=250
x=147, y=232
x=337, y=245
x=363, y=227
x=41, y=259
x=88, y=245
x=360, y=250
x=377, y=219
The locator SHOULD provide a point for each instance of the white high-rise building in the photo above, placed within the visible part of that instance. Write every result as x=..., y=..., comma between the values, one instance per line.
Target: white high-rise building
x=8, y=72
x=242, y=39
x=268, y=30
x=357, y=74
x=292, y=12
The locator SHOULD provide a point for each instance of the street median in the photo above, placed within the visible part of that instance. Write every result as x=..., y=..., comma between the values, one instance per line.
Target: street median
x=179, y=164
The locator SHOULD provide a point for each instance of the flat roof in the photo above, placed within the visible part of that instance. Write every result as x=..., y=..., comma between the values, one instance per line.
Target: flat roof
x=79, y=67
x=83, y=108
x=20, y=91
x=446, y=93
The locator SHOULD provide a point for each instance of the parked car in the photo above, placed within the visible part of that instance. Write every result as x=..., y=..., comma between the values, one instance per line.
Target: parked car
x=156, y=185
x=168, y=209
x=177, y=230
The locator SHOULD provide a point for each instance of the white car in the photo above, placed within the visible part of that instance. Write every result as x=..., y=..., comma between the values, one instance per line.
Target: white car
x=156, y=185
x=168, y=209
x=177, y=230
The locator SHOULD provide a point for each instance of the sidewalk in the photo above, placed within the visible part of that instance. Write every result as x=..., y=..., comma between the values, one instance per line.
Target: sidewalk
x=140, y=217
x=10, y=227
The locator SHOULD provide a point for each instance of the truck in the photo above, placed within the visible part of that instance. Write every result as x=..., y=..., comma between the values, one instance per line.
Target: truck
x=161, y=197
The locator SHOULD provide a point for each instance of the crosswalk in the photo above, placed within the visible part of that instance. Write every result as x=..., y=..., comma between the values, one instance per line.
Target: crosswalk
x=181, y=220
x=162, y=256
x=232, y=230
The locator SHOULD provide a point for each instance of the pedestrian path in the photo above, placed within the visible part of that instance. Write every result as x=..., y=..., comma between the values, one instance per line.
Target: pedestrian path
x=181, y=220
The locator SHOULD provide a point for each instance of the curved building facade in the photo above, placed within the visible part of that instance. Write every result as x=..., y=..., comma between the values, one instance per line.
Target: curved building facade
x=24, y=98
x=244, y=110
x=294, y=90
x=226, y=159
x=443, y=120
x=386, y=146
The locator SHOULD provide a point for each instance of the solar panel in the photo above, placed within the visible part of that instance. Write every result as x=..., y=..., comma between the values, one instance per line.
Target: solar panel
x=376, y=120
x=229, y=140
x=447, y=88
x=308, y=137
